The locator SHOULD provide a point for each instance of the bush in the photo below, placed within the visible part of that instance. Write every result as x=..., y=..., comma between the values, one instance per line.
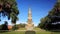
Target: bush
x=15, y=27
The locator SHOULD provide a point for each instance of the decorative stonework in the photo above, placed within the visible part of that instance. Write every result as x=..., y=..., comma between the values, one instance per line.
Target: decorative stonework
x=29, y=25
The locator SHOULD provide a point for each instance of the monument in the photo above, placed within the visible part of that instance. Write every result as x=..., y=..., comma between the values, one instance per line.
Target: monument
x=29, y=26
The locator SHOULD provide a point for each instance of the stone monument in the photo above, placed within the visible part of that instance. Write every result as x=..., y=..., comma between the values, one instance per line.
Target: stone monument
x=29, y=26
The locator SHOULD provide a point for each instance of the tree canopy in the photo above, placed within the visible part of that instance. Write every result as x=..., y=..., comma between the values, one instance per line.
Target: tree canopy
x=9, y=8
x=51, y=21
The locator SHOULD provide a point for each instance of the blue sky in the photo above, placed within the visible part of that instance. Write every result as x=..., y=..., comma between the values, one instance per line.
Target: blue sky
x=40, y=9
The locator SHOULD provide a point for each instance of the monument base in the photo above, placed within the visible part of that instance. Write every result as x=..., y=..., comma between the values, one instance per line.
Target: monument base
x=30, y=32
x=29, y=27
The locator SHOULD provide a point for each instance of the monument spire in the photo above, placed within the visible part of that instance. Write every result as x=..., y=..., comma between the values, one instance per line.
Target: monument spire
x=29, y=16
x=29, y=25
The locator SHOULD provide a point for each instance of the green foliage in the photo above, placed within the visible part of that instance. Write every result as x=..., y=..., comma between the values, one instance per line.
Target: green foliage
x=9, y=8
x=0, y=27
x=44, y=22
x=22, y=25
x=15, y=27
x=52, y=17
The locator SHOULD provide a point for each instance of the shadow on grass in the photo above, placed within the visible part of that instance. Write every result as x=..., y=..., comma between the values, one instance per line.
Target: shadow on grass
x=4, y=31
x=30, y=32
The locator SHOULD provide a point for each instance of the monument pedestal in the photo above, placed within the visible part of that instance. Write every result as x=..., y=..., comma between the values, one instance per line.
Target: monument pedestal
x=29, y=27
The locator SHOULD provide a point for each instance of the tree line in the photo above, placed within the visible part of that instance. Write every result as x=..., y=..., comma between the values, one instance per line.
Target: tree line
x=52, y=21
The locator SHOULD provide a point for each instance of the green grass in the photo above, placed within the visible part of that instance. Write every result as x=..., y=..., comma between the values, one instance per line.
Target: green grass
x=13, y=32
x=39, y=31
x=22, y=32
x=56, y=32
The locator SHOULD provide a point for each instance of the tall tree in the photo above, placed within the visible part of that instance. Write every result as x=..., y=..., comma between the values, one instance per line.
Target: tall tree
x=9, y=8
x=51, y=21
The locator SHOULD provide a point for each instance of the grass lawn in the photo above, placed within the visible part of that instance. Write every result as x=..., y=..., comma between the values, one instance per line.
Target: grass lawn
x=13, y=32
x=39, y=31
x=22, y=32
